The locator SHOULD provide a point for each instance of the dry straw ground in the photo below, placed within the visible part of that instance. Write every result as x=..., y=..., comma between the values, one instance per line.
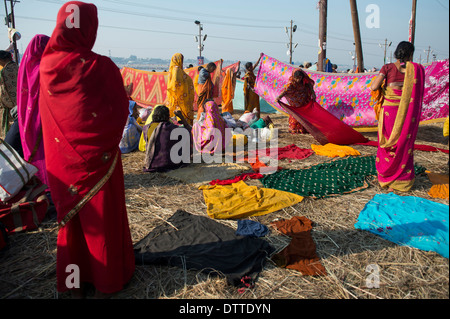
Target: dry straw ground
x=27, y=268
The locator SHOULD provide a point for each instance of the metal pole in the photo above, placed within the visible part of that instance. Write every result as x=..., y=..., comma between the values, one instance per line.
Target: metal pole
x=323, y=5
x=290, y=46
x=428, y=53
x=200, y=40
x=16, y=54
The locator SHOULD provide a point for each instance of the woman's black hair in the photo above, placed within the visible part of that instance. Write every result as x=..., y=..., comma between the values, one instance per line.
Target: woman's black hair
x=249, y=66
x=211, y=66
x=404, y=52
x=161, y=114
x=5, y=55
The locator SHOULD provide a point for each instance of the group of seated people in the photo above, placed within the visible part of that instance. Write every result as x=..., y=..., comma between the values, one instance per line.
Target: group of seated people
x=170, y=142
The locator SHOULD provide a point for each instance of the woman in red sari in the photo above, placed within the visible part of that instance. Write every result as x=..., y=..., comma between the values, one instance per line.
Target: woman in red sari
x=314, y=119
x=402, y=86
x=84, y=108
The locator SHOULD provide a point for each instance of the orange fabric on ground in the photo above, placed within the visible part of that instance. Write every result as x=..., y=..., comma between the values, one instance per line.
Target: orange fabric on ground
x=300, y=254
x=440, y=188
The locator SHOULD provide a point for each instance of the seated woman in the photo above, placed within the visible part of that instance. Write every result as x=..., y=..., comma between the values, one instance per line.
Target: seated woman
x=211, y=136
x=132, y=131
x=321, y=124
x=160, y=154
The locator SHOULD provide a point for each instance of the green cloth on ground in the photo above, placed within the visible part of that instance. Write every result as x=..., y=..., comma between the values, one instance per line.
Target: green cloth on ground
x=340, y=176
x=258, y=124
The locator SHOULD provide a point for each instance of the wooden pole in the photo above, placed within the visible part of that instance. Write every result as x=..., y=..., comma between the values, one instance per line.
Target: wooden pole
x=413, y=22
x=323, y=5
x=357, y=35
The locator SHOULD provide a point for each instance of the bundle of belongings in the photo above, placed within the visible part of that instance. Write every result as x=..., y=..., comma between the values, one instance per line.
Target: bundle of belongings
x=23, y=200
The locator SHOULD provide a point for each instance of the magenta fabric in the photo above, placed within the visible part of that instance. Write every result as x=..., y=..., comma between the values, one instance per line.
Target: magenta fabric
x=436, y=94
x=238, y=178
x=348, y=96
x=29, y=117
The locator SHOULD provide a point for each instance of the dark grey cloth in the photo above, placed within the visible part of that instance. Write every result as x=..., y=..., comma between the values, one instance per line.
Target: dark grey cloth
x=201, y=243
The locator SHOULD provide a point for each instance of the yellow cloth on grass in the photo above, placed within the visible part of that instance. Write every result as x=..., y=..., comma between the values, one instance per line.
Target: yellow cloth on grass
x=333, y=150
x=239, y=200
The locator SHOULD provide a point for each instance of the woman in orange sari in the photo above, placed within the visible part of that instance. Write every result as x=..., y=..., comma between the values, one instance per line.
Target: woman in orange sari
x=228, y=86
x=84, y=107
x=398, y=118
x=180, y=89
x=251, y=99
x=205, y=87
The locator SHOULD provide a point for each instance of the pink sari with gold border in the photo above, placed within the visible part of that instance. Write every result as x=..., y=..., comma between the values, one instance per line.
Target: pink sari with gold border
x=397, y=130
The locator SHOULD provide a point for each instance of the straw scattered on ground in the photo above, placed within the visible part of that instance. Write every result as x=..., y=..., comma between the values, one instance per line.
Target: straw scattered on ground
x=27, y=267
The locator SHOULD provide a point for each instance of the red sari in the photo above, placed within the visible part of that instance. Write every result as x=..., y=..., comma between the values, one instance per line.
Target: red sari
x=84, y=108
x=321, y=124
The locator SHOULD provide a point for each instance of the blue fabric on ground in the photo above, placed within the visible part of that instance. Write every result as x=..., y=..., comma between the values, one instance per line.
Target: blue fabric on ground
x=408, y=221
x=251, y=228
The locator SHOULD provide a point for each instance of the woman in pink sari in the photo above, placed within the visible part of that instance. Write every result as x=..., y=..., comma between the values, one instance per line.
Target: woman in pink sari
x=211, y=136
x=398, y=118
x=28, y=105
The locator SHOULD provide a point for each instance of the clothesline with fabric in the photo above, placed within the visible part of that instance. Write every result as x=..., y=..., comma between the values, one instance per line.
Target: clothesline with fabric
x=348, y=97
x=150, y=88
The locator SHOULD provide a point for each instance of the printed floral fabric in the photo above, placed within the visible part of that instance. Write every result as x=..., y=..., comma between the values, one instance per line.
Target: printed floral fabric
x=348, y=96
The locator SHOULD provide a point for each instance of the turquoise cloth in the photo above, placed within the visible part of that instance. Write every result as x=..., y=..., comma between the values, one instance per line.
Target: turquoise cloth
x=258, y=124
x=407, y=221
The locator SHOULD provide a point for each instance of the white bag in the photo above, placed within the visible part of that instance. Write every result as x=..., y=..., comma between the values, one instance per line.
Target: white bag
x=14, y=172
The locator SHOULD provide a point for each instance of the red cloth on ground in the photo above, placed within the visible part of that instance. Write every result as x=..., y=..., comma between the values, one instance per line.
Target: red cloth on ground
x=238, y=178
x=84, y=108
x=418, y=147
x=290, y=151
x=300, y=254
